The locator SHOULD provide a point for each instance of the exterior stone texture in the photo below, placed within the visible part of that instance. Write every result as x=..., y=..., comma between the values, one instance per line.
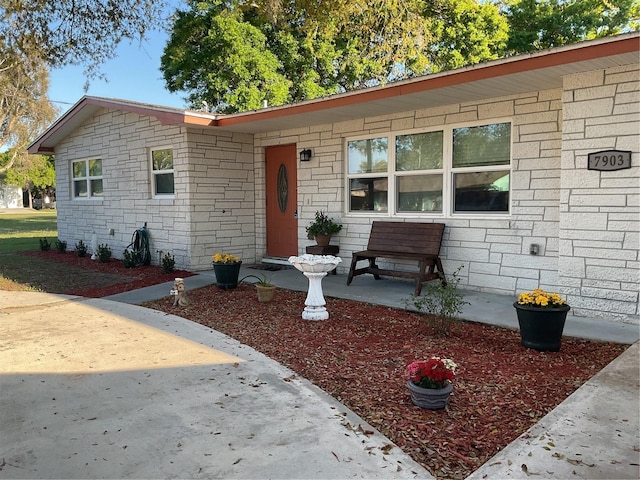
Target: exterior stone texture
x=599, y=213
x=584, y=222
x=213, y=206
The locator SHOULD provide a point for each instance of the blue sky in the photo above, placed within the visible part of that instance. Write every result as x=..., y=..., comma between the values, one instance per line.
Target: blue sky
x=133, y=75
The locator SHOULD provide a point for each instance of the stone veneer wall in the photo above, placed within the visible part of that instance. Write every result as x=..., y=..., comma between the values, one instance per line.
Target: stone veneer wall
x=600, y=214
x=213, y=205
x=222, y=191
x=494, y=252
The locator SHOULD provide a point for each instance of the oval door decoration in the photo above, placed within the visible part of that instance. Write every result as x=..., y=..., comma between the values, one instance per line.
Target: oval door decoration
x=283, y=188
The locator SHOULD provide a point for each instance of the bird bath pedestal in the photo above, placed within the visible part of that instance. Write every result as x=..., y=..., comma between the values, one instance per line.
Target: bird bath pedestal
x=315, y=268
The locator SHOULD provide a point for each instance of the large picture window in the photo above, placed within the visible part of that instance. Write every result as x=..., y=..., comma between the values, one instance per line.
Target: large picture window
x=87, y=178
x=162, y=172
x=447, y=171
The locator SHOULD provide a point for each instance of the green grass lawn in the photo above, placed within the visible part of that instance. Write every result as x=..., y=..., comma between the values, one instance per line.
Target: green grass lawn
x=23, y=231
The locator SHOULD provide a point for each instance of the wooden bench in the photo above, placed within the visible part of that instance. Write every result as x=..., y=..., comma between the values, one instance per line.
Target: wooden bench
x=402, y=241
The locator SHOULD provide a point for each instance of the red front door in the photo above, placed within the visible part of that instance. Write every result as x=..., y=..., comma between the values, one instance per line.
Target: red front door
x=282, y=199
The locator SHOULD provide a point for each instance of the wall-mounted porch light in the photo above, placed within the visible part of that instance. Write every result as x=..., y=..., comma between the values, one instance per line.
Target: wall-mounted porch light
x=305, y=155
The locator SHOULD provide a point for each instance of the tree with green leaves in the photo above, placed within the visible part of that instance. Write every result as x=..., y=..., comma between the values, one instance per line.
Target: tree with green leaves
x=24, y=107
x=75, y=32
x=35, y=174
x=36, y=35
x=540, y=24
x=234, y=55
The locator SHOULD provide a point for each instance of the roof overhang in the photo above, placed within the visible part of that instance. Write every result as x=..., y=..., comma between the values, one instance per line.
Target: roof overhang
x=87, y=106
x=519, y=74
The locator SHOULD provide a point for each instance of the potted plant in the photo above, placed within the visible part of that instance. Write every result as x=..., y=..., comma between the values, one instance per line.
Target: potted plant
x=541, y=317
x=322, y=228
x=430, y=382
x=266, y=290
x=227, y=269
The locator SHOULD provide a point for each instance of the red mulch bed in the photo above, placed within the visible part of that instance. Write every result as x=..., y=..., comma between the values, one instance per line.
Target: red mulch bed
x=120, y=278
x=359, y=357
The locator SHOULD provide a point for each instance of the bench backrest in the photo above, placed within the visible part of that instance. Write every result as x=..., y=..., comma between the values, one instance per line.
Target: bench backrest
x=406, y=237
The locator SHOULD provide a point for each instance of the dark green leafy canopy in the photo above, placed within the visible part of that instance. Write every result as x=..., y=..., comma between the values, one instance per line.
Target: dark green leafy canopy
x=235, y=55
x=536, y=25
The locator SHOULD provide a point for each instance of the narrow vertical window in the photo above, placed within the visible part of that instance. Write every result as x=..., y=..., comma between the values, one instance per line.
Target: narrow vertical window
x=480, y=179
x=368, y=176
x=162, y=172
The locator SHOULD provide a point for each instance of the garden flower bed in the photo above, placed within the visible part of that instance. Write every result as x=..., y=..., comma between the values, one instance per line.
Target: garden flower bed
x=360, y=355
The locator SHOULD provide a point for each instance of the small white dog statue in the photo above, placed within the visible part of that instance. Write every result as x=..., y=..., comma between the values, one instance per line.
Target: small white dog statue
x=179, y=293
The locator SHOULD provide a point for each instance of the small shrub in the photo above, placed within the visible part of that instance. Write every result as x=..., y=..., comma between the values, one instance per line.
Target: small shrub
x=168, y=263
x=81, y=249
x=442, y=304
x=61, y=245
x=103, y=253
x=129, y=259
x=45, y=245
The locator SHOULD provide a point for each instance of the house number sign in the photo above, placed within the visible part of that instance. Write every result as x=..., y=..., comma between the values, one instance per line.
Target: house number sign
x=609, y=160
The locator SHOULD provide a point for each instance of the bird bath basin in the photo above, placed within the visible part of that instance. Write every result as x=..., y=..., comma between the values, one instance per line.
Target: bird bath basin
x=315, y=268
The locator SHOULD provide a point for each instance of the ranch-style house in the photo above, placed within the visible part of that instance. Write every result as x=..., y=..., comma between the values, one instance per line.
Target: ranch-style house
x=532, y=162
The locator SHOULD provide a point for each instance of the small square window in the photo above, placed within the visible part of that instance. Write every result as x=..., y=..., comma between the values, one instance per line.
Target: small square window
x=87, y=178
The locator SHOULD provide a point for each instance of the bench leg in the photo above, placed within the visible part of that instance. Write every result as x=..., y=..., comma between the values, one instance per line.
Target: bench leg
x=354, y=261
x=372, y=266
x=441, y=273
x=422, y=272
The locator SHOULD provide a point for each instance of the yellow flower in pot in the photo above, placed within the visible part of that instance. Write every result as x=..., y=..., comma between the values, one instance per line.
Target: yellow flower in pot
x=541, y=317
x=227, y=270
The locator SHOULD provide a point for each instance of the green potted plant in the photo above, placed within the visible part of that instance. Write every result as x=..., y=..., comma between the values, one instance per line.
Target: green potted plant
x=266, y=290
x=430, y=382
x=227, y=270
x=541, y=317
x=322, y=228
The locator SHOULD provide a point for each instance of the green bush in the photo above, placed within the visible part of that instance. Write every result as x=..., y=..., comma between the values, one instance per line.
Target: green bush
x=61, y=245
x=440, y=302
x=103, y=253
x=168, y=263
x=45, y=245
x=81, y=249
x=129, y=259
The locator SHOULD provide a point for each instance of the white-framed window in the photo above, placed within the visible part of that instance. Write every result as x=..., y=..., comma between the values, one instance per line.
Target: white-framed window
x=161, y=160
x=87, y=178
x=446, y=171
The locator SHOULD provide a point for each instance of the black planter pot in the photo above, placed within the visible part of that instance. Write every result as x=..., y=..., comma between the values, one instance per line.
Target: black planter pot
x=227, y=274
x=541, y=328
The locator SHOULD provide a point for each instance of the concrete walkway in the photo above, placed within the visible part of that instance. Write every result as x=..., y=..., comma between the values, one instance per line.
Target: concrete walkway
x=92, y=388
x=143, y=394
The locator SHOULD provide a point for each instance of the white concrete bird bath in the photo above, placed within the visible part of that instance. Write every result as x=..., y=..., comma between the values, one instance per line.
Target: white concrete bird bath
x=315, y=268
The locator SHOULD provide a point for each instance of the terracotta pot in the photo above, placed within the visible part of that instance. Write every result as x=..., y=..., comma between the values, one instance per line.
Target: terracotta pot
x=541, y=328
x=323, y=240
x=430, y=398
x=265, y=294
x=227, y=274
